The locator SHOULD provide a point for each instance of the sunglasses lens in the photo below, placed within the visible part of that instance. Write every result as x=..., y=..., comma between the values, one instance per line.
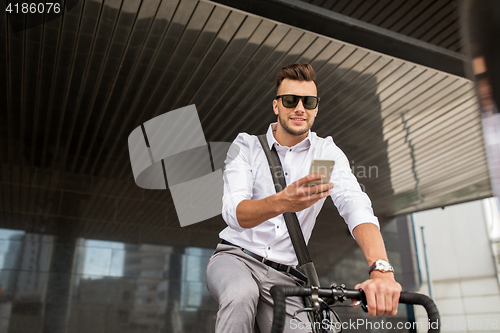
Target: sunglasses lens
x=290, y=101
x=310, y=102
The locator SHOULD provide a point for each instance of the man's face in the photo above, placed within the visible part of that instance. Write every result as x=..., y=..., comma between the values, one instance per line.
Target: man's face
x=298, y=120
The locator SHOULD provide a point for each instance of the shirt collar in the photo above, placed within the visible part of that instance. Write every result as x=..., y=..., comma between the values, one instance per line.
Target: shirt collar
x=304, y=144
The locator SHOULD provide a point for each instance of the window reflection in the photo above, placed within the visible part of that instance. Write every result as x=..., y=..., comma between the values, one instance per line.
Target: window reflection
x=114, y=286
x=24, y=263
x=24, y=267
x=103, y=258
x=6, y=235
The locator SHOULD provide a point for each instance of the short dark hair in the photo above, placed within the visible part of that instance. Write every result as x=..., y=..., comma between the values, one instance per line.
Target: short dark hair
x=299, y=72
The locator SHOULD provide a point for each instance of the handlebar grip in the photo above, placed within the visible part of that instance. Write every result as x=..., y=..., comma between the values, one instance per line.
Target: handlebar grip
x=279, y=294
x=428, y=304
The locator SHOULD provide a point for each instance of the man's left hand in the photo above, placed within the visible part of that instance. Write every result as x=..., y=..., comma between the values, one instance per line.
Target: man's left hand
x=382, y=293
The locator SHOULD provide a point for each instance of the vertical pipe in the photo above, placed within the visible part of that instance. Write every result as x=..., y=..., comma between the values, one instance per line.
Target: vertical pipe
x=429, y=281
x=416, y=251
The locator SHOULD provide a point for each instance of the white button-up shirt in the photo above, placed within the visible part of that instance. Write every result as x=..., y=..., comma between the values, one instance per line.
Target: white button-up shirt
x=248, y=176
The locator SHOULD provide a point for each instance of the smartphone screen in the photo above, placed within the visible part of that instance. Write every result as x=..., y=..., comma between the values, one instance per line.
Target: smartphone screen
x=322, y=166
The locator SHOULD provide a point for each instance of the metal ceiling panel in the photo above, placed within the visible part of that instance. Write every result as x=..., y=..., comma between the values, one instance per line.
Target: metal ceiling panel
x=431, y=21
x=74, y=88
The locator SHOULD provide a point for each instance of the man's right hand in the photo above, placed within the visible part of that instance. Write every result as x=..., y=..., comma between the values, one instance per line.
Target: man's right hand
x=294, y=198
x=300, y=195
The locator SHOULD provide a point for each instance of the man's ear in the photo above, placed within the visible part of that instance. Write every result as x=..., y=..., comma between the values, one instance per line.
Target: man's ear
x=275, y=106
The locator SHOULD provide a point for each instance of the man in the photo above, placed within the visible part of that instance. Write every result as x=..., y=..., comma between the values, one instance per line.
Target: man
x=237, y=275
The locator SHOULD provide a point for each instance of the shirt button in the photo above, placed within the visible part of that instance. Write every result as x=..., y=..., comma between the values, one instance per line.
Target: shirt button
x=286, y=173
x=268, y=248
x=278, y=226
x=290, y=149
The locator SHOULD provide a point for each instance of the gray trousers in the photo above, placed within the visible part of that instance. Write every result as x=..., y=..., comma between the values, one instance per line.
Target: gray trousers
x=241, y=286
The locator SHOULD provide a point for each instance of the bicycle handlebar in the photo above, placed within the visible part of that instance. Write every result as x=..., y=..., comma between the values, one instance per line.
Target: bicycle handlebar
x=279, y=294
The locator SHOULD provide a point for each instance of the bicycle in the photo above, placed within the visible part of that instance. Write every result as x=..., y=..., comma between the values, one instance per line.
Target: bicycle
x=323, y=299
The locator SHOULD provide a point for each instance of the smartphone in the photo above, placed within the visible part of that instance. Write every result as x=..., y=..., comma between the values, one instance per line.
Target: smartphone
x=322, y=166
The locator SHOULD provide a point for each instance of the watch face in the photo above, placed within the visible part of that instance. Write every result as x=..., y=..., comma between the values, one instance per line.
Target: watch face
x=383, y=265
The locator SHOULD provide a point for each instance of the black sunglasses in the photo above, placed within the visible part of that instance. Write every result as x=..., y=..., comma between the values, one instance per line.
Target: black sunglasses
x=291, y=101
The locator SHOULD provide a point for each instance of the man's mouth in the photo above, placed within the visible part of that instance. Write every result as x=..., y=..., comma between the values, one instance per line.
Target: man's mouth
x=298, y=119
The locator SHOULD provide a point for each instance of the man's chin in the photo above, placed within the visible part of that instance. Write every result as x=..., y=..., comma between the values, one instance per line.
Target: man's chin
x=297, y=131
x=293, y=129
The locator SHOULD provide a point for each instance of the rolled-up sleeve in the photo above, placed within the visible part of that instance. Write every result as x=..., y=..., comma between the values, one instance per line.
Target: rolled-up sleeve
x=238, y=180
x=353, y=204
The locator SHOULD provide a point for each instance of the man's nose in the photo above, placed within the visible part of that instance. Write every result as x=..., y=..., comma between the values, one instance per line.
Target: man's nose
x=300, y=106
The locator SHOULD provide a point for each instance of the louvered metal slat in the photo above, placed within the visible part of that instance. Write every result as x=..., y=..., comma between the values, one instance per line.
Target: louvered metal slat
x=433, y=21
x=127, y=27
x=403, y=12
x=444, y=17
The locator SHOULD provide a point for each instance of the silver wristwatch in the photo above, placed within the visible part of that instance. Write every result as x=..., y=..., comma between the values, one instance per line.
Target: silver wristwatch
x=381, y=265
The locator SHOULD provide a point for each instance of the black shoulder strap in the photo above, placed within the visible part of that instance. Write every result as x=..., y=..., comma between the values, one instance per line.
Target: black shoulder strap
x=291, y=220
